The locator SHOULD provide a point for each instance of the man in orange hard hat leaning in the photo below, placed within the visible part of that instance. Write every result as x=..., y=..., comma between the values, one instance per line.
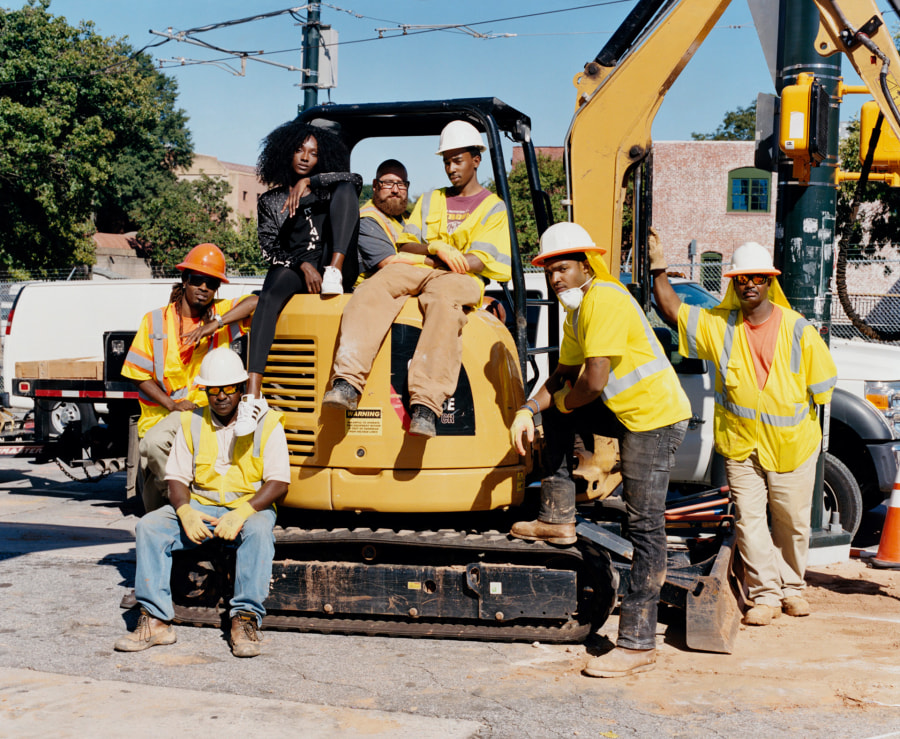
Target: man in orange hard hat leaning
x=165, y=356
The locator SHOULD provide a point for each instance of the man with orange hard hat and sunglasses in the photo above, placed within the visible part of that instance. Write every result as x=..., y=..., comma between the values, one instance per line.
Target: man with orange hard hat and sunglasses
x=772, y=370
x=165, y=356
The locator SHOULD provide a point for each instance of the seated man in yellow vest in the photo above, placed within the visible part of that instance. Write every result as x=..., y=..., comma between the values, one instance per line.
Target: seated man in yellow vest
x=220, y=486
x=166, y=353
x=772, y=369
x=381, y=218
x=614, y=379
x=456, y=238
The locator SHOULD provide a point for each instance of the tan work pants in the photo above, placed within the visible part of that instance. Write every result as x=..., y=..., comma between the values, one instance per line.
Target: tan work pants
x=444, y=298
x=774, y=563
x=154, y=448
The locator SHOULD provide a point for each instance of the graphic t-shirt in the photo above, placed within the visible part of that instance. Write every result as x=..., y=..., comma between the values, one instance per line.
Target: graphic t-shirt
x=459, y=207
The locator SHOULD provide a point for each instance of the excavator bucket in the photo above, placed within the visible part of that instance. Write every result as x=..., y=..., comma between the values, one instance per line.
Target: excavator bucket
x=712, y=612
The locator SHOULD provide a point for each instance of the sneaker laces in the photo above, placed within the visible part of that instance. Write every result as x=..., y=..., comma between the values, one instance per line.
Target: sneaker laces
x=248, y=626
x=142, y=630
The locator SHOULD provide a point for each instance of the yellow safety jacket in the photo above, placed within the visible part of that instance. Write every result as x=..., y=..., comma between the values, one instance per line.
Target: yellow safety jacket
x=643, y=389
x=153, y=356
x=245, y=475
x=779, y=422
x=484, y=233
x=392, y=227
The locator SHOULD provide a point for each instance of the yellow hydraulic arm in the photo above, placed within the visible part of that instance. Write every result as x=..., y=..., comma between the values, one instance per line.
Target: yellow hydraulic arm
x=619, y=94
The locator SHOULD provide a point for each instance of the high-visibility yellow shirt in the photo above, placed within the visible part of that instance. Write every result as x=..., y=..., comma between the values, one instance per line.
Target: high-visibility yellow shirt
x=245, y=475
x=155, y=355
x=779, y=422
x=643, y=389
x=484, y=232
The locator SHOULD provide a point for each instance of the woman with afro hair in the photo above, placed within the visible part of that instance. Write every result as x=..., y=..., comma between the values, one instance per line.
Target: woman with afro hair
x=308, y=225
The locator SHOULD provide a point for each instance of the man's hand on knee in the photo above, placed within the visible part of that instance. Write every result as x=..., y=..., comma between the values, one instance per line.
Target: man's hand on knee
x=230, y=525
x=194, y=523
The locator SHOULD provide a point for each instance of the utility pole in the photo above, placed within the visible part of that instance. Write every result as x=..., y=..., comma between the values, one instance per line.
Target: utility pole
x=805, y=213
x=311, y=43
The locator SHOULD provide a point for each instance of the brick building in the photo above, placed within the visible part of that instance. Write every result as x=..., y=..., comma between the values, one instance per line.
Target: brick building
x=245, y=187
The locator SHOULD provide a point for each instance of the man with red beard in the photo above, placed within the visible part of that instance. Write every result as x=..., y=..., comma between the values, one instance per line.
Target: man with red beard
x=381, y=218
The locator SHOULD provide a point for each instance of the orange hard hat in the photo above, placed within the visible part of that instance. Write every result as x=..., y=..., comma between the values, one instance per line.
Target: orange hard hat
x=207, y=259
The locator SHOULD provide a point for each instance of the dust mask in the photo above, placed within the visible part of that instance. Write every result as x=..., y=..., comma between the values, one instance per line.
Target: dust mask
x=571, y=298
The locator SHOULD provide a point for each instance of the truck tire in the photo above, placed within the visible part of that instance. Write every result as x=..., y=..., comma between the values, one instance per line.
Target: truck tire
x=842, y=494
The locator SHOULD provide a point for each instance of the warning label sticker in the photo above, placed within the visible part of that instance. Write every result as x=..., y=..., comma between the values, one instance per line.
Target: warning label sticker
x=364, y=422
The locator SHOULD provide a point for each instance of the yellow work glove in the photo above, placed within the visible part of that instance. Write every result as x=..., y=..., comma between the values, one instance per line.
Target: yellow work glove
x=655, y=250
x=405, y=257
x=231, y=523
x=559, y=398
x=194, y=523
x=523, y=422
x=452, y=257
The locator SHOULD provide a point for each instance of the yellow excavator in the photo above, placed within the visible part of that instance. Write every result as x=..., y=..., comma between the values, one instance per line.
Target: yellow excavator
x=382, y=532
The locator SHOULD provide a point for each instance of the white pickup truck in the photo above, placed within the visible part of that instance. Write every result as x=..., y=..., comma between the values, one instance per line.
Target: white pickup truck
x=860, y=466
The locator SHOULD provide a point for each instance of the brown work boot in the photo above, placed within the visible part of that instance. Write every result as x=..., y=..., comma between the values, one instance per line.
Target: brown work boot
x=150, y=632
x=761, y=615
x=795, y=605
x=244, y=635
x=342, y=395
x=621, y=662
x=561, y=534
x=422, y=421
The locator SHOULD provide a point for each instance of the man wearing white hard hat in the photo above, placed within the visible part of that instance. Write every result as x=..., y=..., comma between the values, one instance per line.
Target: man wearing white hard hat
x=456, y=239
x=772, y=370
x=220, y=486
x=613, y=379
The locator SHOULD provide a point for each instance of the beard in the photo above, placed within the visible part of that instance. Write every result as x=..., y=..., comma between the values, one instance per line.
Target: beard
x=391, y=205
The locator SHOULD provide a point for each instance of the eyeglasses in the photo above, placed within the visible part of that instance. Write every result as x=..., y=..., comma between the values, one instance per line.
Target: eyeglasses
x=393, y=184
x=211, y=282
x=227, y=389
x=755, y=279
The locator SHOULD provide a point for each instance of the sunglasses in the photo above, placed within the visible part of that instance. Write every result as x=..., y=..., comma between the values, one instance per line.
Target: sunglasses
x=211, y=282
x=227, y=389
x=755, y=279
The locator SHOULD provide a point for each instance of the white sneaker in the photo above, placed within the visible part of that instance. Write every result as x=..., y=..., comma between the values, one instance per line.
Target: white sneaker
x=332, y=282
x=250, y=411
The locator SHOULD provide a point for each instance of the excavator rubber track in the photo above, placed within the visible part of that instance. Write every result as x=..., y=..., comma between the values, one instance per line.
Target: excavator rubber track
x=320, y=556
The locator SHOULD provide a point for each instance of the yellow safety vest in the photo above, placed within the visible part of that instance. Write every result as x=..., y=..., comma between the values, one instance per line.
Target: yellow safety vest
x=779, y=422
x=244, y=477
x=643, y=390
x=484, y=233
x=152, y=356
x=392, y=228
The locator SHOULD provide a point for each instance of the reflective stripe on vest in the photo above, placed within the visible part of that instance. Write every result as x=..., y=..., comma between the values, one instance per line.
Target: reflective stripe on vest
x=801, y=410
x=389, y=225
x=158, y=337
x=660, y=362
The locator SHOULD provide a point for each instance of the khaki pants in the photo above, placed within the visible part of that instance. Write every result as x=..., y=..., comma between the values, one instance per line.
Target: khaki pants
x=444, y=298
x=774, y=562
x=154, y=448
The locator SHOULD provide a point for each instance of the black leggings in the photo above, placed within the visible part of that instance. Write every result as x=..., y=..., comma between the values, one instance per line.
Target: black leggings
x=280, y=285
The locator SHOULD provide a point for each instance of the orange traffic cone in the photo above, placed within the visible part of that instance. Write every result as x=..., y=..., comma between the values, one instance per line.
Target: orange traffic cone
x=888, y=556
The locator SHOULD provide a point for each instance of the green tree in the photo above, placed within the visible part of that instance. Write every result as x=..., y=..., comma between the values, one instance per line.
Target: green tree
x=195, y=212
x=553, y=182
x=81, y=119
x=737, y=125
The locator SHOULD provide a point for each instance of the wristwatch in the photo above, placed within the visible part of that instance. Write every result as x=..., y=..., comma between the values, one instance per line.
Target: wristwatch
x=218, y=319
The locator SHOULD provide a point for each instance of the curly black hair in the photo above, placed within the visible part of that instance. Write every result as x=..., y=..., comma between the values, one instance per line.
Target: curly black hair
x=275, y=159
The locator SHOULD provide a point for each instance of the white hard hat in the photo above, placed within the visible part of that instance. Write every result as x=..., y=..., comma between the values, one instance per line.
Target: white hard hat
x=459, y=135
x=221, y=366
x=752, y=259
x=564, y=238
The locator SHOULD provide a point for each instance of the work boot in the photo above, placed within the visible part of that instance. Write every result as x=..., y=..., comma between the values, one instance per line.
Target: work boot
x=244, y=635
x=250, y=411
x=621, y=662
x=150, y=632
x=761, y=615
x=423, y=421
x=561, y=534
x=795, y=605
x=342, y=395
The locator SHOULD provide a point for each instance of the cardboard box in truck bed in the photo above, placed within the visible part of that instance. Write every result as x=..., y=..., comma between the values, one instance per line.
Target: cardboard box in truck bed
x=52, y=369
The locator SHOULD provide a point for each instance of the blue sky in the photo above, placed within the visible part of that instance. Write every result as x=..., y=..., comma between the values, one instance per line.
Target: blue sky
x=531, y=70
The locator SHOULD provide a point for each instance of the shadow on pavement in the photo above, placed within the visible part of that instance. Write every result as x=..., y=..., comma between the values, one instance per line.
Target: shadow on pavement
x=17, y=539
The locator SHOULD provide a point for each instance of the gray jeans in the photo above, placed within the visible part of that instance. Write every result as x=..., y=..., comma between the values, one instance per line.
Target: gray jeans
x=647, y=457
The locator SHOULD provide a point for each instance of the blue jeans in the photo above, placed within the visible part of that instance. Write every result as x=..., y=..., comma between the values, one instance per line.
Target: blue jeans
x=646, y=457
x=159, y=533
